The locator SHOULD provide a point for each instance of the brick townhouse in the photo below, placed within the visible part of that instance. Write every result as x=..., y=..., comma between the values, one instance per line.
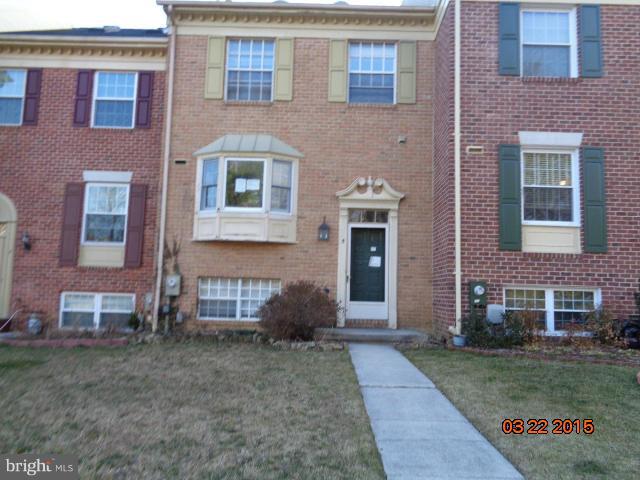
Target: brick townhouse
x=81, y=119
x=549, y=103
x=407, y=158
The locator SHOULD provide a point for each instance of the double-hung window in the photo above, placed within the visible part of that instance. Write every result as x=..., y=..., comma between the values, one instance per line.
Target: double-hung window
x=12, y=91
x=250, y=69
x=245, y=185
x=372, y=72
x=233, y=298
x=556, y=309
x=105, y=213
x=209, y=190
x=549, y=43
x=114, y=99
x=96, y=310
x=550, y=188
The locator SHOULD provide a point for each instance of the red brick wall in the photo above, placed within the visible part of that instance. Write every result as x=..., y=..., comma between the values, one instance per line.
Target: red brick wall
x=495, y=108
x=443, y=201
x=340, y=142
x=35, y=165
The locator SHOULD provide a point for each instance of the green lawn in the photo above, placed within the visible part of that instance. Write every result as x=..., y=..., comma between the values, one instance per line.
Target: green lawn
x=490, y=389
x=189, y=411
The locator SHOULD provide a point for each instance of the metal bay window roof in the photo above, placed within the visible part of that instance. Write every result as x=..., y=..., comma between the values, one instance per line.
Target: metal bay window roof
x=249, y=143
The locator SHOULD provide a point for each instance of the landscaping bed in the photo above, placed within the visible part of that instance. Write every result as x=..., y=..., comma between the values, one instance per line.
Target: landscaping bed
x=491, y=388
x=189, y=410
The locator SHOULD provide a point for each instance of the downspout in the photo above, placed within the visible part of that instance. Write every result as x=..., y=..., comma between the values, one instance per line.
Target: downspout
x=456, y=162
x=165, y=167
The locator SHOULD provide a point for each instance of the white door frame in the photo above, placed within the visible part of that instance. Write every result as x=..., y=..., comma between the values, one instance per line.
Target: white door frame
x=8, y=217
x=366, y=193
x=368, y=310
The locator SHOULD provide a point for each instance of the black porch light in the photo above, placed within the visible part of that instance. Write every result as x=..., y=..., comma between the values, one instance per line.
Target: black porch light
x=323, y=231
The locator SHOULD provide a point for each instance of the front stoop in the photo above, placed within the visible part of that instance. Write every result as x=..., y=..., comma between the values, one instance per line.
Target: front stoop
x=371, y=335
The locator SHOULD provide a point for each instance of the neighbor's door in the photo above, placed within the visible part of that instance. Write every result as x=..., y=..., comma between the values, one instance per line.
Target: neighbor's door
x=367, y=275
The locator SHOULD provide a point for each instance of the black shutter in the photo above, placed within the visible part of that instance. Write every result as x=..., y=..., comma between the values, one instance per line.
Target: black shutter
x=509, y=39
x=595, y=211
x=510, y=202
x=590, y=42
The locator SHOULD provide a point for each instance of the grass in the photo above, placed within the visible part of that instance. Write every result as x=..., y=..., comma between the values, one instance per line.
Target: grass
x=490, y=389
x=189, y=411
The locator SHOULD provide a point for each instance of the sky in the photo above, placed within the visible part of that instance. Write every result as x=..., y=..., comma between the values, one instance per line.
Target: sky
x=16, y=15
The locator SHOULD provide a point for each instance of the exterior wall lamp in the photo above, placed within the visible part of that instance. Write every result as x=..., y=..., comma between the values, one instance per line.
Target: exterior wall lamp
x=323, y=231
x=26, y=241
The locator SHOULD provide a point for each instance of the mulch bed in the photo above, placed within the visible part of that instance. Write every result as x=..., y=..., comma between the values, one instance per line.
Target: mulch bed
x=66, y=342
x=602, y=355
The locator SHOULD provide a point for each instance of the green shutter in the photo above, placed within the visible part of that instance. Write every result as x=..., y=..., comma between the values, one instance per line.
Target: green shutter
x=510, y=209
x=509, y=39
x=214, y=77
x=338, y=70
x=595, y=211
x=406, y=72
x=590, y=42
x=284, y=69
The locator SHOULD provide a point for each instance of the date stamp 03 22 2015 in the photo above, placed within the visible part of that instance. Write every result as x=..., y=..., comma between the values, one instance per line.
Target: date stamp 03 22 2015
x=542, y=426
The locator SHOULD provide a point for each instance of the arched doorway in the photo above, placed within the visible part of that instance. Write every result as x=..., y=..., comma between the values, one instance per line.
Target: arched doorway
x=8, y=220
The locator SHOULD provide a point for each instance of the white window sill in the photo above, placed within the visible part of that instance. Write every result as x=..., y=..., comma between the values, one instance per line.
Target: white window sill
x=241, y=320
x=550, y=224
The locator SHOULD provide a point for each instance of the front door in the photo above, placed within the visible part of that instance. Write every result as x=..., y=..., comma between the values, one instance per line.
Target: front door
x=367, y=275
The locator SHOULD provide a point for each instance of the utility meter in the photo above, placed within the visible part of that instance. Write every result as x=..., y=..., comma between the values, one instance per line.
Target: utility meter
x=477, y=294
x=172, y=285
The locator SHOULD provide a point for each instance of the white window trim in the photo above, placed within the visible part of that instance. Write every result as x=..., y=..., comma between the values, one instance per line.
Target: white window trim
x=267, y=180
x=550, y=304
x=226, y=68
x=238, y=299
x=24, y=94
x=106, y=176
x=395, y=73
x=573, y=37
x=575, y=185
x=84, y=214
x=95, y=99
x=97, y=305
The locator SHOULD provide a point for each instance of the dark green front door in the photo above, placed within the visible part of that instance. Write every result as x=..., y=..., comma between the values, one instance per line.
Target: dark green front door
x=367, y=276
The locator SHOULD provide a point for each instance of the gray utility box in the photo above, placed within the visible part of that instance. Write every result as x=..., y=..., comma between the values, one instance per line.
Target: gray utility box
x=172, y=285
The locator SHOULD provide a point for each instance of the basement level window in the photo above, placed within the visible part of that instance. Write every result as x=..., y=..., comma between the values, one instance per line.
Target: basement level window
x=234, y=298
x=96, y=310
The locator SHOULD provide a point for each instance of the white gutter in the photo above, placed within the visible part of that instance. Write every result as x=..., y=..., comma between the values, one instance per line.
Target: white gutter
x=165, y=169
x=456, y=162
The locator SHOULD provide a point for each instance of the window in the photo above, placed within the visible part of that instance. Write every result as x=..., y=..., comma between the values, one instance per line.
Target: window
x=281, y=187
x=557, y=309
x=105, y=213
x=233, y=298
x=368, y=216
x=372, y=72
x=12, y=88
x=114, y=99
x=209, y=193
x=550, y=188
x=549, y=43
x=244, y=183
x=250, y=69
x=530, y=300
x=93, y=311
x=250, y=185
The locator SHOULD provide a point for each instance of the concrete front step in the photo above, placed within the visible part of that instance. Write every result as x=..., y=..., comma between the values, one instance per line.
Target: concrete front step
x=370, y=335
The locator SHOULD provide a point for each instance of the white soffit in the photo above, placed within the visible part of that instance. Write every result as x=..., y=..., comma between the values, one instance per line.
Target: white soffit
x=104, y=176
x=550, y=139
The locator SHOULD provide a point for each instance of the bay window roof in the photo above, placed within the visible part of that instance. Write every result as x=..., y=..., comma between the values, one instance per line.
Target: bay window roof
x=249, y=143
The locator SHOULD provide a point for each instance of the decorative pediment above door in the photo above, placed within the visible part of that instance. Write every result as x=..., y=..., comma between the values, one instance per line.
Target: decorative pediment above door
x=369, y=193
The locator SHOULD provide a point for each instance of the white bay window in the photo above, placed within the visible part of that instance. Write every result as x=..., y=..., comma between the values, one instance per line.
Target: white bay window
x=556, y=309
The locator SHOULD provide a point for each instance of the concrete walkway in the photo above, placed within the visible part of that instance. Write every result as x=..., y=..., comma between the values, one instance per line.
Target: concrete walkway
x=419, y=433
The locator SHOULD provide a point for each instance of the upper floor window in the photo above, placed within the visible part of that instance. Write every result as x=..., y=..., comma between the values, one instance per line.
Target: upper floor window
x=12, y=89
x=372, y=72
x=550, y=188
x=250, y=69
x=114, y=99
x=105, y=213
x=549, y=43
x=247, y=185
